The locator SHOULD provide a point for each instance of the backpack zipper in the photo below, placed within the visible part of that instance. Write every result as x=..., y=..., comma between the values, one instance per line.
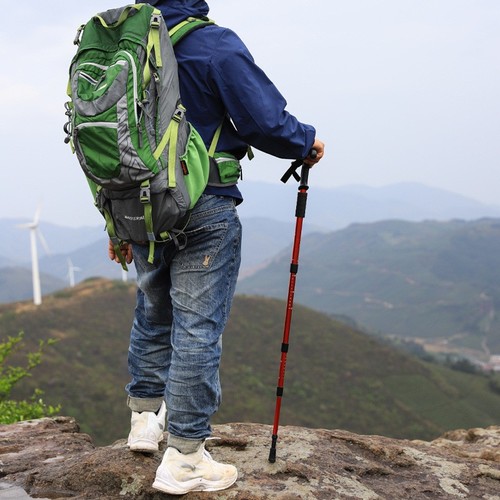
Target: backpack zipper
x=134, y=77
x=94, y=124
x=87, y=77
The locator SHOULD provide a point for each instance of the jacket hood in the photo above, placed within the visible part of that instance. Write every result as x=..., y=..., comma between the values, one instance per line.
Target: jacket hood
x=175, y=11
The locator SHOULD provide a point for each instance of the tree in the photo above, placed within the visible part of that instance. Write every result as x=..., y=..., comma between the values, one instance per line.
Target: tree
x=15, y=411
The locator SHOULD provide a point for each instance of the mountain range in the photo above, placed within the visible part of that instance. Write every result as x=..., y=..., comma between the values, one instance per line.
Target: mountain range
x=268, y=220
x=437, y=283
x=336, y=208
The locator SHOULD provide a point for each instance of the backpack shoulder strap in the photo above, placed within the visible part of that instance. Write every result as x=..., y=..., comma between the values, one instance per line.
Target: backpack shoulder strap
x=185, y=27
x=178, y=32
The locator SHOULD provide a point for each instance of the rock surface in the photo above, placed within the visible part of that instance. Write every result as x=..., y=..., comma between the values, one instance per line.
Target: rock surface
x=50, y=458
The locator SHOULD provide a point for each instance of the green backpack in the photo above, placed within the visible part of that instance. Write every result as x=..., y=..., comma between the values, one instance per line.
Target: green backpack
x=145, y=164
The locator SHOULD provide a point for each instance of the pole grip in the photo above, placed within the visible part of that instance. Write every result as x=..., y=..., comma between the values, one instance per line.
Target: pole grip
x=304, y=173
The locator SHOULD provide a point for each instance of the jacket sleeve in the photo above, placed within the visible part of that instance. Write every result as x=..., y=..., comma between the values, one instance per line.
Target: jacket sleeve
x=254, y=104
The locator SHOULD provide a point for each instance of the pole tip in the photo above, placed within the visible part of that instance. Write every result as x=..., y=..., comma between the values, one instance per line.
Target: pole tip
x=272, y=451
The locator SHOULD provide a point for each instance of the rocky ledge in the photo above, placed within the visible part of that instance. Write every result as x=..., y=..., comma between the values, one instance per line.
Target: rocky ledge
x=50, y=458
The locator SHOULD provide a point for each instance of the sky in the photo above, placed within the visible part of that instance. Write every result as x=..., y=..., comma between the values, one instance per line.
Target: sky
x=399, y=91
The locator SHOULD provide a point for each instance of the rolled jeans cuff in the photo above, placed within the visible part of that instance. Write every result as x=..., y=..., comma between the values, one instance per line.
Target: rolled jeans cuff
x=184, y=445
x=144, y=404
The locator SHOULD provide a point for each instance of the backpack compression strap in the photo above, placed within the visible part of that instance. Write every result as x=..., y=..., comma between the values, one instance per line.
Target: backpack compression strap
x=169, y=137
x=153, y=46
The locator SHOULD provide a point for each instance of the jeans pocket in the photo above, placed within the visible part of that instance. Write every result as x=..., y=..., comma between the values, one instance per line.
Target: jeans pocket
x=203, y=247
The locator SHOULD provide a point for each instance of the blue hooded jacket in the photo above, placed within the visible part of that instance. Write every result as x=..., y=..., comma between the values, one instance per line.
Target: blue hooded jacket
x=219, y=80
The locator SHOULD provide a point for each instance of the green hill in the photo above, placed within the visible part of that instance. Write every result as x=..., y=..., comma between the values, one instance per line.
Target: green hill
x=337, y=377
x=434, y=281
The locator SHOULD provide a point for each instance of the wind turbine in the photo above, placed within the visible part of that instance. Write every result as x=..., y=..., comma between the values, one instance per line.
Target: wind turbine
x=34, y=232
x=71, y=273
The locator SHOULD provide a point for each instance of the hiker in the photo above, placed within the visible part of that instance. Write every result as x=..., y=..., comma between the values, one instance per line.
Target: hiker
x=184, y=297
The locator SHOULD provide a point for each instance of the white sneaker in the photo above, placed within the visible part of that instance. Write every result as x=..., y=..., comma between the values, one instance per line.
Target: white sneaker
x=179, y=474
x=147, y=430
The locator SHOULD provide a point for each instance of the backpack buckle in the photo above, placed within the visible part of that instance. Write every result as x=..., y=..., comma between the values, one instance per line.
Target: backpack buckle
x=155, y=20
x=145, y=194
x=178, y=114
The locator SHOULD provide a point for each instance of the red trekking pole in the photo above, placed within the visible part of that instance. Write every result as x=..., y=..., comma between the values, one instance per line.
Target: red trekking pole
x=300, y=213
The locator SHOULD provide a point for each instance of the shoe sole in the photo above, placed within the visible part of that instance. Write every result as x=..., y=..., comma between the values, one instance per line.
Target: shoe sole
x=199, y=484
x=144, y=446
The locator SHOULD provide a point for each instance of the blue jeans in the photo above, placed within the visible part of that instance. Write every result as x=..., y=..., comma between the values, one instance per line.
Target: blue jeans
x=183, y=303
